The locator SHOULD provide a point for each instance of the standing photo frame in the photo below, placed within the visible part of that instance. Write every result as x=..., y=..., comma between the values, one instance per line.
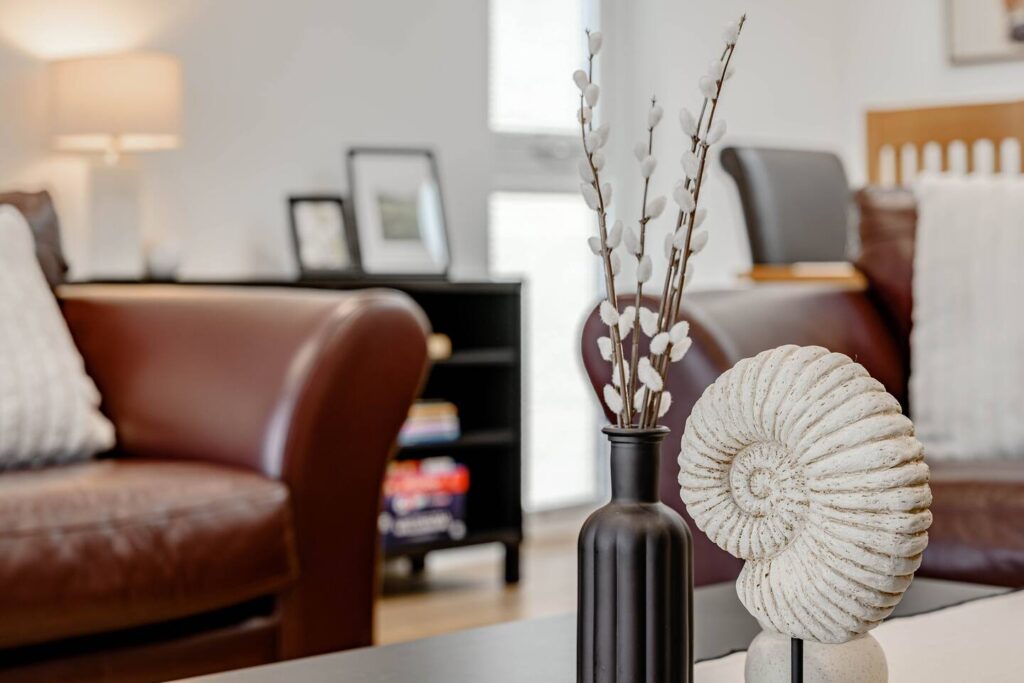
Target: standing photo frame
x=325, y=241
x=399, y=212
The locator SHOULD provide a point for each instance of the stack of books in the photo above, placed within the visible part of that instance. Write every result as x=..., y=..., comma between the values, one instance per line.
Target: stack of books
x=424, y=500
x=430, y=422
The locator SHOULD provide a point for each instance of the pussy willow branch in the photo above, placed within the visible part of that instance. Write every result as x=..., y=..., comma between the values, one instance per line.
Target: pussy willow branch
x=673, y=311
x=640, y=285
x=626, y=416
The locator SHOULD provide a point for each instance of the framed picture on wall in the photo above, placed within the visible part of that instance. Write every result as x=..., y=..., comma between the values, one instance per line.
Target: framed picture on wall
x=985, y=30
x=399, y=212
x=325, y=243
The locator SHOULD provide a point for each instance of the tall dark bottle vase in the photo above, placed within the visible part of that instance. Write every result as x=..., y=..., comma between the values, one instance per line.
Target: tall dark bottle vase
x=635, y=610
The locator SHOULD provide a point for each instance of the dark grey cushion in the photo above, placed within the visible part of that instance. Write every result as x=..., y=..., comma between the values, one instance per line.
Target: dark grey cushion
x=37, y=207
x=796, y=203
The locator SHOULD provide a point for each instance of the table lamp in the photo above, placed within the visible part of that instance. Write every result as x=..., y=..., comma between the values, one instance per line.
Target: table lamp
x=112, y=106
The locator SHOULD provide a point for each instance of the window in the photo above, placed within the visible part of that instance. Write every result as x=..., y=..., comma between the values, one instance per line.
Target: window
x=538, y=231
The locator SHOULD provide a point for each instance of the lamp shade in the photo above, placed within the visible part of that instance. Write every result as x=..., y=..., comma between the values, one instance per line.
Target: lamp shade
x=116, y=103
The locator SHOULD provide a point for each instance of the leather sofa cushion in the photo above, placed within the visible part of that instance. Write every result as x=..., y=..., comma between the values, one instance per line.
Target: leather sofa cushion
x=978, y=529
x=111, y=544
x=888, y=223
x=38, y=209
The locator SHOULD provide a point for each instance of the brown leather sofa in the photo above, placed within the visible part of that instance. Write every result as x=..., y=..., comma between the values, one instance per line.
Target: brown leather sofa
x=978, y=529
x=236, y=522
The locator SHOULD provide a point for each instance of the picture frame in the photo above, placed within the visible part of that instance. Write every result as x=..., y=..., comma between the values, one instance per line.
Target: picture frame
x=980, y=31
x=323, y=237
x=399, y=212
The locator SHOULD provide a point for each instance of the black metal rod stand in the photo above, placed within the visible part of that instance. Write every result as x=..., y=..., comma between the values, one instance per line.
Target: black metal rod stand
x=796, y=656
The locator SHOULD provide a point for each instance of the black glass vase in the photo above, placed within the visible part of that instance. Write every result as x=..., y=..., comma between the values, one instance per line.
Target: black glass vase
x=635, y=575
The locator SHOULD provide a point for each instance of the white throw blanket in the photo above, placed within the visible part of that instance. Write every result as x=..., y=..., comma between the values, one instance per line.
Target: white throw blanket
x=967, y=344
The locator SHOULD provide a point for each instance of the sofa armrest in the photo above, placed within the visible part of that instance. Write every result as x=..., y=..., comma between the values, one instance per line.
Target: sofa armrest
x=305, y=386
x=728, y=326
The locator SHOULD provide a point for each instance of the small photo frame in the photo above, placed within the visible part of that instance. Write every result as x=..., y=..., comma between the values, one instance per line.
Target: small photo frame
x=399, y=212
x=325, y=243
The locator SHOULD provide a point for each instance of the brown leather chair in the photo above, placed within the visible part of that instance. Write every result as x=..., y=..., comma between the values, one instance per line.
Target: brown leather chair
x=236, y=522
x=978, y=507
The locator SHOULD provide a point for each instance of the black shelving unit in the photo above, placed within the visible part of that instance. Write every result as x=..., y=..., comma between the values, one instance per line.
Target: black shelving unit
x=483, y=378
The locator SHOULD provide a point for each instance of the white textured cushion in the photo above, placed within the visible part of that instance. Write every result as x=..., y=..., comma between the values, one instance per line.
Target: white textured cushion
x=49, y=407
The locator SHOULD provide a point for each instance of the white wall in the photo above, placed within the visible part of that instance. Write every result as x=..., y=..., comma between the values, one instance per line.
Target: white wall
x=897, y=55
x=274, y=92
x=786, y=92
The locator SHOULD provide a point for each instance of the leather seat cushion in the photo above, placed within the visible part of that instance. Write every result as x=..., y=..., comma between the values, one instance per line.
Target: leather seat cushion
x=111, y=544
x=978, y=529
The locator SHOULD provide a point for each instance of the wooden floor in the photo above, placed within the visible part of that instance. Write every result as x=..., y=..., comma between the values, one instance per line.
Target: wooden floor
x=464, y=588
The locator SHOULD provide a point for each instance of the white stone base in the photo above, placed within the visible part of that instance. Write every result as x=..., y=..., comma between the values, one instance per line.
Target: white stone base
x=859, y=661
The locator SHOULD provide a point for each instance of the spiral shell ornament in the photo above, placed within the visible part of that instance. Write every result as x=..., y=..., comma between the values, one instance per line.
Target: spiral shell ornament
x=800, y=463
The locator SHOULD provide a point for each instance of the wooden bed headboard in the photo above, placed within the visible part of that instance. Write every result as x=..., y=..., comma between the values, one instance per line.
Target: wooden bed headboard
x=896, y=137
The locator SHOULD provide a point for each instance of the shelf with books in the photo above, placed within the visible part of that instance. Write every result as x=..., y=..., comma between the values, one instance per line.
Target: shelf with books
x=482, y=438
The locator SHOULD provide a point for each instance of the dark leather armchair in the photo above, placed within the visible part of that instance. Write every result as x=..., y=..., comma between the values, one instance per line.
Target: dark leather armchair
x=236, y=522
x=978, y=507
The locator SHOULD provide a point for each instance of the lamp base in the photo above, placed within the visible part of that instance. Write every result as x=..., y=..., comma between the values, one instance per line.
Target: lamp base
x=115, y=242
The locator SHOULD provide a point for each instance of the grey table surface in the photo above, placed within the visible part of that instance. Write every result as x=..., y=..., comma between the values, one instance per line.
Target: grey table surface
x=544, y=650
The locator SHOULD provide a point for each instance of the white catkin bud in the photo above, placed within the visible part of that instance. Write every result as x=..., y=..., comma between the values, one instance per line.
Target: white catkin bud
x=716, y=69
x=592, y=140
x=604, y=345
x=656, y=206
x=648, y=321
x=583, y=114
x=595, y=245
x=590, y=94
x=687, y=122
x=708, y=87
x=638, y=399
x=609, y=316
x=666, y=403
x=616, y=263
x=606, y=193
x=626, y=320
x=648, y=375
x=586, y=175
x=612, y=399
x=679, y=350
x=679, y=239
x=668, y=245
x=683, y=197
x=640, y=151
x=597, y=158
x=690, y=268
x=679, y=331
x=654, y=116
x=604, y=130
x=691, y=163
x=716, y=133
x=594, y=42
x=615, y=235
x=590, y=196
x=648, y=165
x=580, y=78
x=616, y=377
x=631, y=241
x=729, y=71
x=660, y=343
x=644, y=267
x=699, y=217
x=698, y=241
x=731, y=32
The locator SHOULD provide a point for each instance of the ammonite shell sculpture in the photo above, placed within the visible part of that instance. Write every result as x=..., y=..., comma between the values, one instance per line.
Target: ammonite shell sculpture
x=800, y=463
